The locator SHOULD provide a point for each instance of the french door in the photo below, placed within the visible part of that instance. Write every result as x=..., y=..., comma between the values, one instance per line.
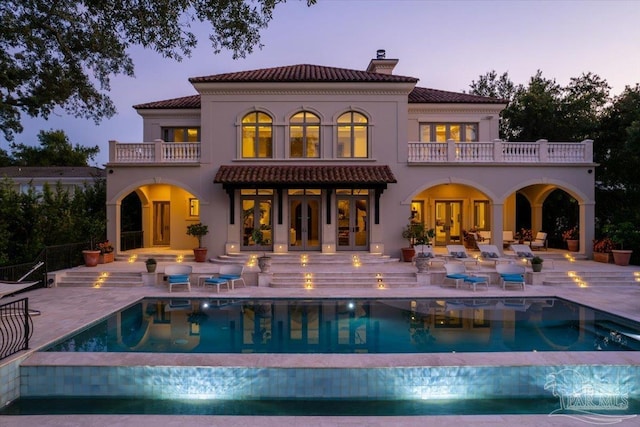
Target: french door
x=448, y=217
x=353, y=221
x=304, y=220
x=161, y=224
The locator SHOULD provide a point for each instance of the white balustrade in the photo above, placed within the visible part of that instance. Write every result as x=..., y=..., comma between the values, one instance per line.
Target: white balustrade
x=498, y=151
x=154, y=152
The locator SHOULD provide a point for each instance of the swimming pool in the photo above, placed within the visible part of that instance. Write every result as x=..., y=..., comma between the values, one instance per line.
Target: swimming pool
x=372, y=326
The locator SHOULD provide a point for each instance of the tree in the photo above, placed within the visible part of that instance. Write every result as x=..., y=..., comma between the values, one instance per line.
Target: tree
x=55, y=150
x=496, y=87
x=62, y=54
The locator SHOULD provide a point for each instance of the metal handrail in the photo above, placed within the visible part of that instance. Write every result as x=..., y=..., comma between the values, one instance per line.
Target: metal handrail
x=16, y=327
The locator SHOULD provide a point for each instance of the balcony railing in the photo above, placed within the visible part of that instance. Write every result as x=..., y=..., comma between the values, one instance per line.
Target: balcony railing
x=540, y=151
x=154, y=152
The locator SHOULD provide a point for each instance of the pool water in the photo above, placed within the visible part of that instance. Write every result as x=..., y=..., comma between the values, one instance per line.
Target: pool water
x=355, y=326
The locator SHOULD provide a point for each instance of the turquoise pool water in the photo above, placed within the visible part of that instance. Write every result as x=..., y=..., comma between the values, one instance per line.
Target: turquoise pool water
x=356, y=326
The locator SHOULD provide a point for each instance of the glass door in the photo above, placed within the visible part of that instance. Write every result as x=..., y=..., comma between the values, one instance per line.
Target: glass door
x=257, y=225
x=353, y=217
x=304, y=220
x=161, y=224
x=448, y=217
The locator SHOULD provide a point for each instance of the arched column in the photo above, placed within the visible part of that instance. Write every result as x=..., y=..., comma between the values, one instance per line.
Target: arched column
x=113, y=226
x=587, y=231
x=497, y=219
x=536, y=218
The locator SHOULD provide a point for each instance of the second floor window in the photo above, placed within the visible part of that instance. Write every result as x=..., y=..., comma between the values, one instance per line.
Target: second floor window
x=304, y=135
x=179, y=134
x=442, y=132
x=353, y=135
x=257, y=135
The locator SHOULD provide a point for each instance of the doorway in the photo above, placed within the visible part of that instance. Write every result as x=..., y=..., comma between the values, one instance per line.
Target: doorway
x=304, y=220
x=448, y=216
x=161, y=224
x=353, y=217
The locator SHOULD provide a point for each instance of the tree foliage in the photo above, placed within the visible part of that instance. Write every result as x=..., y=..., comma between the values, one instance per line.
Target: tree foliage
x=31, y=220
x=63, y=53
x=55, y=150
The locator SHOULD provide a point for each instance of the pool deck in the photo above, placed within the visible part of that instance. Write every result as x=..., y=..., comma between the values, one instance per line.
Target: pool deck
x=64, y=310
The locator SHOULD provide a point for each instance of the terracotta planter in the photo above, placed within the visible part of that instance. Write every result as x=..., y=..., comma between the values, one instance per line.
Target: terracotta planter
x=200, y=254
x=408, y=254
x=602, y=257
x=106, y=258
x=91, y=258
x=621, y=257
x=573, y=245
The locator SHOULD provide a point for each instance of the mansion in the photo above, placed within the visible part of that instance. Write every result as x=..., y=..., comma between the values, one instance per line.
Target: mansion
x=330, y=159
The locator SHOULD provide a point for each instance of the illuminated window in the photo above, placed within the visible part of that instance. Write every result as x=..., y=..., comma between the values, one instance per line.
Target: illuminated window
x=353, y=135
x=180, y=134
x=194, y=207
x=257, y=135
x=481, y=216
x=304, y=135
x=442, y=132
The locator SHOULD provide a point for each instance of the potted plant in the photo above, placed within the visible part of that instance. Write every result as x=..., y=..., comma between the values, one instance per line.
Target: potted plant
x=198, y=230
x=619, y=233
x=106, y=252
x=151, y=264
x=602, y=250
x=264, y=262
x=536, y=263
x=422, y=258
x=411, y=232
x=572, y=237
x=92, y=255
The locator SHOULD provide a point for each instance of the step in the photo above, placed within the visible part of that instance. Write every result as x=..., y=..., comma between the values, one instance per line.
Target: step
x=343, y=280
x=92, y=279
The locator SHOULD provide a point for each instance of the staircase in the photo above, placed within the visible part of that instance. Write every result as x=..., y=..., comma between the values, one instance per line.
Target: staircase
x=590, y=278
x=98, y=279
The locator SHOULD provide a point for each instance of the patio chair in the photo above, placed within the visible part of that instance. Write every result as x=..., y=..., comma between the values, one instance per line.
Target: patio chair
x=507, y=238
x=178, y=275
x=525, y=253
x=511, y=275
x=457, y=273
x=492, y=254
x=459, y=253
x=232, y=273
x=429, y=253
x=540, y=242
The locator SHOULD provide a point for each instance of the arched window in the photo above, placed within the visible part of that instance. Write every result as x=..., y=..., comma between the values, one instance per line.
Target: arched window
x=257, y=135
x=304, y=135
x=353, y=135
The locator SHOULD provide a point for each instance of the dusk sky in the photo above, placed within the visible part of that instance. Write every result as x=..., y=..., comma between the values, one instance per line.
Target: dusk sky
x=446, y=44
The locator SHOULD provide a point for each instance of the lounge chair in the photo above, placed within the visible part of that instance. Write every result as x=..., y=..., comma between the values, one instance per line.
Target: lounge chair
x=457, y=273
x=507, y=238
x=459, y=253
x=178, y=275
x=431, y=256
x=540, y=242
x=525, y=253
x=492, y=254
x=511, y=275
x=232, y=273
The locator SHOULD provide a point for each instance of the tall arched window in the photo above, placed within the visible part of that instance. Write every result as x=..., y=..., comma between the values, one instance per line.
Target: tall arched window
x=304, y=135
x=352, y=135
x=257, y=135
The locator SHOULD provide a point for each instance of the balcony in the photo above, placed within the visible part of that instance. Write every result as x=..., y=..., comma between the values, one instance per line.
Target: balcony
x=498, y=151
x=154, y=152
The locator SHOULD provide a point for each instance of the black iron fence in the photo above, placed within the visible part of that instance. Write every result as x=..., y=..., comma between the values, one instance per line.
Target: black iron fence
x=16, y=327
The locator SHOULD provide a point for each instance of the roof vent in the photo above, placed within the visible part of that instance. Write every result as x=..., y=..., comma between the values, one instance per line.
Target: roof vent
x=381, y=54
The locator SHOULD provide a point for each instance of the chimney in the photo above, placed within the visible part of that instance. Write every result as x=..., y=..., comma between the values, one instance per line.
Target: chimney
x=381, y=64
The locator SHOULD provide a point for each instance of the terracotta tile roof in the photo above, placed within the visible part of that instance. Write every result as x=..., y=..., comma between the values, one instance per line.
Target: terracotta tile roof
x=348, y=175
x=434, y=96
x=303, y=73
x=192, y=101
x=54, y=172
